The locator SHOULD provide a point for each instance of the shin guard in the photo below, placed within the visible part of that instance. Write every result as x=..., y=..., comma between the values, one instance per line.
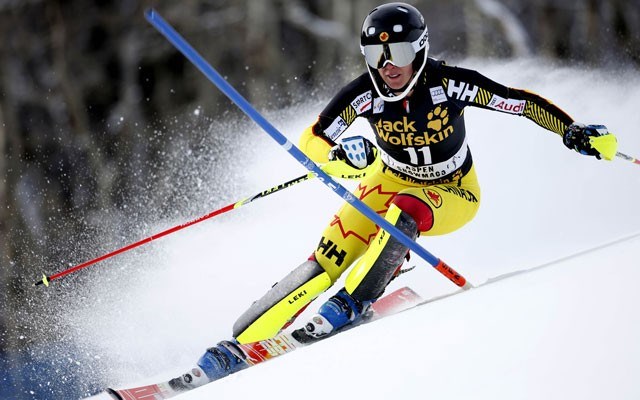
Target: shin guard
x=267, y=316
x=376, y=268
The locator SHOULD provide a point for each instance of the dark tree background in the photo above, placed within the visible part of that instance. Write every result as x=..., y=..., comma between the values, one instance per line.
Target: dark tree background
x=88, y=91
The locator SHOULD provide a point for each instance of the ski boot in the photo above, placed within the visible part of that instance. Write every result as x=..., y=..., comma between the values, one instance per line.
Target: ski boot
x=335, y=314
x=224, y=359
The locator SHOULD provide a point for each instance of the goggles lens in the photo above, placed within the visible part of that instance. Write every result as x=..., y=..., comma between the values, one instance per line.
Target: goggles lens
x=398, y=54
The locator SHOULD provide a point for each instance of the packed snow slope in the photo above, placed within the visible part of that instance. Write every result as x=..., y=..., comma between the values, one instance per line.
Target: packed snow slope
x=566, y=331
x=569, y=330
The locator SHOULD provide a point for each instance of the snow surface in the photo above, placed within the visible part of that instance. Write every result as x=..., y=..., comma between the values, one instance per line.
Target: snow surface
x=566, y=330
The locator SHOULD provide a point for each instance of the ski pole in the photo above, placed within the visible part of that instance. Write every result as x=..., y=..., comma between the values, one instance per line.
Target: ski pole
x=336, y=168
x=628, y=158
x=47, y=279
x=199, y=62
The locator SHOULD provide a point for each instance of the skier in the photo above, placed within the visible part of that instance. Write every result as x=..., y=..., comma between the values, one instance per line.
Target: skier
x=423, y=178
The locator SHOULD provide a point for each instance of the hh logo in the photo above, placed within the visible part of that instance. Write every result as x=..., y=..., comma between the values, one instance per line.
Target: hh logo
x=330, y=250
x=462, y=91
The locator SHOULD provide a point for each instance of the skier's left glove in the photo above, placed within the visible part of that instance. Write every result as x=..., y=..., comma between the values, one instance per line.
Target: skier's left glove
x=356, y=151
x=591, y=140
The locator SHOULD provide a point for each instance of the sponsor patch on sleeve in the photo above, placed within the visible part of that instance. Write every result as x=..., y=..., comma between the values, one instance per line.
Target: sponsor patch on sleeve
x=510, y=106
x=336, y=128
x=437, y=95
x=362, y=103
x=378, y=105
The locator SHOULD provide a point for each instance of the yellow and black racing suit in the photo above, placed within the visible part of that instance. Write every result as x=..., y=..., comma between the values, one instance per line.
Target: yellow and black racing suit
x=423, y=146
x=426, y=171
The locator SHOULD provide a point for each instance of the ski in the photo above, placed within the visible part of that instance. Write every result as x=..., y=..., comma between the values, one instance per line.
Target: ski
x=259, y=352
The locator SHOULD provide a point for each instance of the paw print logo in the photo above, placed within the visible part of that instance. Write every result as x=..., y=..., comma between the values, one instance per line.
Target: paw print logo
x=438, y=118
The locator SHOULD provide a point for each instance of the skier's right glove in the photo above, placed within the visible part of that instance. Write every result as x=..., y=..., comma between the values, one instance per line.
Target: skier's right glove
x=591, y=140
x=356, y=151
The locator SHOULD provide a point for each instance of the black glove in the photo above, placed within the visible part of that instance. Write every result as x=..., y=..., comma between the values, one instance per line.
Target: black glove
x=356, y=151
x=579, y=137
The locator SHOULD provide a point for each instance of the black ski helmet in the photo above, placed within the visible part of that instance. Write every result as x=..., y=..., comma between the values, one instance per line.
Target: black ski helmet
x=395, y=33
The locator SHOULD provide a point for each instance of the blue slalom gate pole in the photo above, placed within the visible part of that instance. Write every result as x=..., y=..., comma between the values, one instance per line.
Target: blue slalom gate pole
x=196, y=59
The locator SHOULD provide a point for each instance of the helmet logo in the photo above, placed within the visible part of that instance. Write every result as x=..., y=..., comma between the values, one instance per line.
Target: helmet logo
x=384, y=36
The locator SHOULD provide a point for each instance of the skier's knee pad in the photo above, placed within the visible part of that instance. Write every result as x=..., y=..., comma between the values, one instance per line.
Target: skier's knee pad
x=267, y=316
x=375, y=269
x=417, y=209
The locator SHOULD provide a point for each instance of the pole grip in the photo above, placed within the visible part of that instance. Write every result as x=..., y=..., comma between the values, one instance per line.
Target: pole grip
x=43, y=281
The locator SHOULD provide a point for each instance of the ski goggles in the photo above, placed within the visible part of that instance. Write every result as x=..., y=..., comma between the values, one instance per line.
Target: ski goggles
x=399, y=54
